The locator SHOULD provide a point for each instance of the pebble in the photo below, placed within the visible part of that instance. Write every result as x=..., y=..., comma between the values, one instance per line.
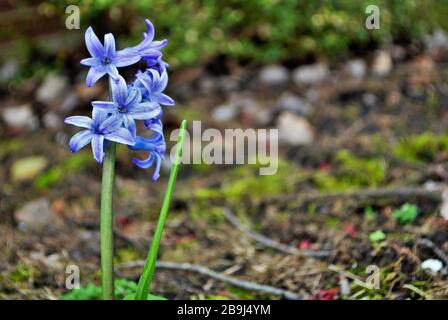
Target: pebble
x=225, y=112
x=356, y=68
x=34, y=215
x=382, y=63
x=310, y=74
x=8, y=70
x=54, y=87
x=432, y=264
x=20, y=117
x=28, y=168
x=294, y=130
x=52, y=121
x=274, y=75
x=293, y=103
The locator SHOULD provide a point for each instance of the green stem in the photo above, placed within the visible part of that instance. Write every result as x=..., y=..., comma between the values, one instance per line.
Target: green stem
x=106, y=223
x=150, y=264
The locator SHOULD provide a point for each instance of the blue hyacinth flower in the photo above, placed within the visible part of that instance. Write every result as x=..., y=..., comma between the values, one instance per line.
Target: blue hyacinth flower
x=99, y=128
x=152, y=85
x=127, y=105
x=105, y=59
x=156, y=147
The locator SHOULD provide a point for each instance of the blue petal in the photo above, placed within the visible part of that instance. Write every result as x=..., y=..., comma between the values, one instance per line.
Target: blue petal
x=79, y=121
x=94, y=74
x=149, y=35
x=93, y=44
x=129, y=123
x=126, y=57
x=112, y=123
x=119, y=90
x=109, y=106
x=144, y=164
x=159, y=45
x=79, y=140
x=163, y=99
x=91, y=62
x=161, y=82
x=134, y=98
x=121, y=135
x=109, y=45
x=98, y=147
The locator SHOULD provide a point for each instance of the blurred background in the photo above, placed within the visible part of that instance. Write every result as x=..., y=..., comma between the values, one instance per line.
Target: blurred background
x=362, y=118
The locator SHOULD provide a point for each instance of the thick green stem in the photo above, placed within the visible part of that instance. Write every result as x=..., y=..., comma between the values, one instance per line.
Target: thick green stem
x=150, y=264
x=106, y=223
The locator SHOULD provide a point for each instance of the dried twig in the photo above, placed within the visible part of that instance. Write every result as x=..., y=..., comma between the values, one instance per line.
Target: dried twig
x=366, y=196
x=248, y=285
x=269, y=242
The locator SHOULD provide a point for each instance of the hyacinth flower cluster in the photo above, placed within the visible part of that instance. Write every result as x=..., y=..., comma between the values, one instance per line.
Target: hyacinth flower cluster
x=115, y=121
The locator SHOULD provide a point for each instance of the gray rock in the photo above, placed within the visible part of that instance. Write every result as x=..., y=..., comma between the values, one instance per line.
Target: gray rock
x=274, y=75
x=382, y=63
x=8, y=70
x=293, y=103
x=34, y=215
x=225, y=112
x=310, y=74
x=54, y=87
x=437, y=40
x=294, y=130
x=70, y=102
x=356, y=68
x=20, y=117
x=369, y=99
x=52, y=121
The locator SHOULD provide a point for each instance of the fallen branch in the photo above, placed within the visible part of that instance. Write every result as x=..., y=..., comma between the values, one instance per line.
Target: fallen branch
x=366, y=196
x=267, y=242
x=248, y=285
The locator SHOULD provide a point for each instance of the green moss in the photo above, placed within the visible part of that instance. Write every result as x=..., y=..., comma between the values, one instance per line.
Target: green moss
x=423, y=147
x=127, y=255
x=91, y=291
x=10, y=147
x=21, y=273
x=351, y=172
x=71, y=164
x=245, y=181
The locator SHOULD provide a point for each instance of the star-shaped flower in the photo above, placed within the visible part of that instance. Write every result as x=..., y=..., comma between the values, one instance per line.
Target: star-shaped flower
x=105, y=59
x=127, y=105
x=99, y=128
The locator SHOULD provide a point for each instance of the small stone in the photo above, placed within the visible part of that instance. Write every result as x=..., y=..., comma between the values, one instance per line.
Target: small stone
x=54, y=87
x=52, y=121
x=310, y=74
x=432, y=264
x=369, y=99
x=435, y=41
x=34, y=215
x=294, y=130
x=274, y=75
x=70, y=102
x=8, y=70
x=20, y=117
x=28, y=168
x=293, y=103
x=382, y=63
x=225, y=112
x=356, y=68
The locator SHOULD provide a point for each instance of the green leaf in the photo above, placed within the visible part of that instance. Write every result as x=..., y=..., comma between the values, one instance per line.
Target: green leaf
x=406, y=214
x=377, y=236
